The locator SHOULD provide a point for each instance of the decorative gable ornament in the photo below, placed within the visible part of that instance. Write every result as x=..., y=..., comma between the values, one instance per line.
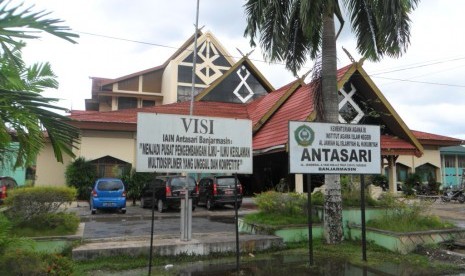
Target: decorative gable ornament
x=206, y=69
x=243, y=74
x=349, y=111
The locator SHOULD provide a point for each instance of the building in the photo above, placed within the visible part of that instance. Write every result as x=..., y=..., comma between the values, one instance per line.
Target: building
x=453, y=164
x=108, y=126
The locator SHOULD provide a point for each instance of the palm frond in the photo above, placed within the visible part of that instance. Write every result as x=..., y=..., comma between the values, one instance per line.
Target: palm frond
x=19, y=23
x=381, y=27
x=26, y=117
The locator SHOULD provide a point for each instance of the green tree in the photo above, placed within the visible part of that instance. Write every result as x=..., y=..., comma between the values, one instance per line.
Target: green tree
x=135, y=181
x=295, y=30
x=26, y=117
x=81, y=175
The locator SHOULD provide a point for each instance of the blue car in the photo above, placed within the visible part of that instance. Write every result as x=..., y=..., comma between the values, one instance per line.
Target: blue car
x=108, y=193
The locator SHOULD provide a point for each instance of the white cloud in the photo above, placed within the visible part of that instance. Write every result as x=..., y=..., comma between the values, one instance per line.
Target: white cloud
x=436, y=37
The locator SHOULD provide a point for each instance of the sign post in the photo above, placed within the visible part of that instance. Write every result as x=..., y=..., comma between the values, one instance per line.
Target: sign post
x=327, y=148
x=193, y=144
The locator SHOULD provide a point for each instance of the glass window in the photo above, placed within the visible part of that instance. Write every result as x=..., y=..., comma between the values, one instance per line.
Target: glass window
x=127, y=102
x=449, y=161
x=146, y=103
x=184, y=93
x=110, y=185
x=461, y=161
x=226, y=181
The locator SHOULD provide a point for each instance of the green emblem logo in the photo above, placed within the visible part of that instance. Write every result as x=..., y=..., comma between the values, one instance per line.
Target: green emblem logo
x=304, y=135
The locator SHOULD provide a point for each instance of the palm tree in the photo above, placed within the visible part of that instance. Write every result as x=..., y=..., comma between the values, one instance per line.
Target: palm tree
x=25, y=116
x=295, y=30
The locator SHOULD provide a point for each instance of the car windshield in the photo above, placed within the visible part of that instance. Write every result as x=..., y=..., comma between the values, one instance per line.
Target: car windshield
x=226, y=181
x=110, y=185
x=180, y=182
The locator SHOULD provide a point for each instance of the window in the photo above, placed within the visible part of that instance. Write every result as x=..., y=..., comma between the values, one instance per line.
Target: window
x=127, y=102
x=146, y=103
x=402, y=172
x=461, y=161
x=427, y=172
x=449, y=161
x=184, y=93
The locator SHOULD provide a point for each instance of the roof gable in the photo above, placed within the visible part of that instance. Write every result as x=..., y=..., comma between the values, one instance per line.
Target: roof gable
x=378, y=102
x=242, y=83
x=299, y=106
x=180, y=54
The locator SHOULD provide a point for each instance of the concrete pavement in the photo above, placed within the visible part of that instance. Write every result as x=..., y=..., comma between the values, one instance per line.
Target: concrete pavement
x=114, y=233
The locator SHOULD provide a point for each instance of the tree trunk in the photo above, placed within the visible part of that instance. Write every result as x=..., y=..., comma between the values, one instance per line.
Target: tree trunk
x=333, y=201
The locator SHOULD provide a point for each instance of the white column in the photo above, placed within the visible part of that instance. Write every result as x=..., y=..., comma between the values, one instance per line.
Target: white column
x=299, y=183
x=392, y=174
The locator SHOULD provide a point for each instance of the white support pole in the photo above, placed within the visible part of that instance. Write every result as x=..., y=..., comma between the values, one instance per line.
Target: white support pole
x=299, y=183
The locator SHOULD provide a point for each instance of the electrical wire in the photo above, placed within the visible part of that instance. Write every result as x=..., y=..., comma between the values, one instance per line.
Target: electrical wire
x=374, y=75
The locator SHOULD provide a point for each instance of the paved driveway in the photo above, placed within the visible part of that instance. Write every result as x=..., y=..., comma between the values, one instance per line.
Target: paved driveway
x=137, y=221
x=451, y=211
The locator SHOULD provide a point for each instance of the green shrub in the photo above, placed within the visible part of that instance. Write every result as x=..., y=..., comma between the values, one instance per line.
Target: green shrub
x=81, y=175
x=351, y=198
x=21, y=262
x=318, y=198
x=58, y=265
x=52, y=224
x=281, y=203
x=412, y=180
x=5, y=236
x=28, y=203
x=24, y=262
x=403, y=217
x=8, y=238
x=135, y=181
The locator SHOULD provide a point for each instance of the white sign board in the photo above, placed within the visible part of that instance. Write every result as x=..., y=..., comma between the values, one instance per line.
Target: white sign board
x=326, y=148
x=182, y=143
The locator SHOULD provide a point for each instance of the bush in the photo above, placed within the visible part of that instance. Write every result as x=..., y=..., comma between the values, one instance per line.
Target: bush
x=57, y=264
x=30, y=203
x=54, y=224
x=281, y=203
x=5, y=237
x=412, y=181
x=403, y=217
x=81, y=174
x=135, y=181
x=318, y=198
x=380, y=181
x=24, y=262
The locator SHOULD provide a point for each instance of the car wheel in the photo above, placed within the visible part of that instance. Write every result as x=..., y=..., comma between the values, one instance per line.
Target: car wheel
x=209, y=204
x=238, y=206
x=193, y=207
x=160, y=206
x=142, y=203
x=123, y=211
x=92, y=210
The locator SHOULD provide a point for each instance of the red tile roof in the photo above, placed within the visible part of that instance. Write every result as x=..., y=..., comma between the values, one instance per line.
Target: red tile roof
x=225, y=110
x=273, y=133
x=436, y=140
x=394, y=145
x=297, y=108
x=258, y=108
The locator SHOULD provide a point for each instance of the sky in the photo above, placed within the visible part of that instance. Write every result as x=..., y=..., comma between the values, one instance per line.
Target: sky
x=426, y=86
